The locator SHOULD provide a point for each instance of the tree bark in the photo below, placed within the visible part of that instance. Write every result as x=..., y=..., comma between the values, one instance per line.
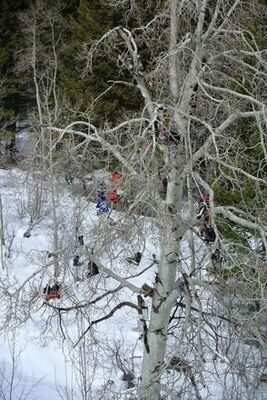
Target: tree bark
x=2, y=237
x=165, y=291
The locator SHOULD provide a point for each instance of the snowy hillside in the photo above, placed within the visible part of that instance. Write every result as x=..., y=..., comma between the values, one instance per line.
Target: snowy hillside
x=28, y=268
x=54, y=338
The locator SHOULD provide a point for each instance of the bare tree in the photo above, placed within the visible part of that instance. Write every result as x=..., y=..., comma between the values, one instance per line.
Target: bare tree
x=43, y=28
x=14, y=384
x=201, y=97
x=200, y=90
x=2, y=237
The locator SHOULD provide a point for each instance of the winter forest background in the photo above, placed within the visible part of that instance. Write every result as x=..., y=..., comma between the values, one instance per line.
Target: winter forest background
x=133, y=126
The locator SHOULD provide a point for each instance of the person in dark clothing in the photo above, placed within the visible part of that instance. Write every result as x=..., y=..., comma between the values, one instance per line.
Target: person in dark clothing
x=203, y=208
x=208, y=234
x=202, y=230
x=59, y=145
x=80, y=240
x=79, y=237
x=52, y=292
x=76, y=261
x=193, y=101
x=69, y=179
x=47, y=289
x=100, y=195
x=216, y=258
x=92, y=269
x=204, y=213
x=174, y=137
x=160, y=111
x=56, y=287
x=136, y=259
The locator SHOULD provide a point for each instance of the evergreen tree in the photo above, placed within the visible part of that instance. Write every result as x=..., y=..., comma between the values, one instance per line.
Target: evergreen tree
x=87, y=25
x=14, y=89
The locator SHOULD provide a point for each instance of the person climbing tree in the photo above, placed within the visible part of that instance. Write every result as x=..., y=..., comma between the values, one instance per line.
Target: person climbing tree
x=160, y=111
x=143, y=317
x=69, y=179
x=136, y=259
x=216, y=258
x=164, y=122
x=207, y=233
x=143, y=308
x=79, y=237
x=193, y=102
x=162, y=127
x=80, y=240
x=203, y=208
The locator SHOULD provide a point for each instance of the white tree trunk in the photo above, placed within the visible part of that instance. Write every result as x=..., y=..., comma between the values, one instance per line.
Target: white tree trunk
x=164, y=294
x=2, y=237
x=157, y=336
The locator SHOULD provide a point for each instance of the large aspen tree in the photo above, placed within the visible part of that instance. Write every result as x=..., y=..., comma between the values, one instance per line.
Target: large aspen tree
x=200, y=67
x=209, y=79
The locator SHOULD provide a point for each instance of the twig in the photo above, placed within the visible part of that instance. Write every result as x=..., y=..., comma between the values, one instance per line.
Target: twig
x=112, y=312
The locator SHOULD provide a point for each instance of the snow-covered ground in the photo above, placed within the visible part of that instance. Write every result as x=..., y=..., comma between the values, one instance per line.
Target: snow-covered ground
x=47, y=343
x=45, y=352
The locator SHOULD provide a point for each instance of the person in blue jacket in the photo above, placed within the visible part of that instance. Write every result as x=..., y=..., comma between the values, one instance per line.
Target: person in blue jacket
x=102, y=207
x=100, y=195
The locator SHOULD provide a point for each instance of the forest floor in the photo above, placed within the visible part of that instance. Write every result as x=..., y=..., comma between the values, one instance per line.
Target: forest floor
x=47, y=344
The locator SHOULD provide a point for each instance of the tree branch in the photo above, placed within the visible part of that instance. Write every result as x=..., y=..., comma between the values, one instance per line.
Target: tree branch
x=236, y=169
x=88, y=303
x=233, y=93
x=112, y=312
x=113, y=275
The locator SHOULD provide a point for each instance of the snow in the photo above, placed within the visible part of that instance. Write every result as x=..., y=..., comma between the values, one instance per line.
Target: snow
x=43, y=355
x=23, y=143
x=49, y=348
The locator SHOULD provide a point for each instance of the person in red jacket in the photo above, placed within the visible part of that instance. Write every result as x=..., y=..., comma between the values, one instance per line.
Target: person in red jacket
x=52, y=292
x=116, y=176
x=113, y=196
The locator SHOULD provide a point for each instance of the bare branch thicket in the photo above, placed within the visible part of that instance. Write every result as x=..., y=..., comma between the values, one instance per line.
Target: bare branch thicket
x=207, y=75
x=14, y=384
